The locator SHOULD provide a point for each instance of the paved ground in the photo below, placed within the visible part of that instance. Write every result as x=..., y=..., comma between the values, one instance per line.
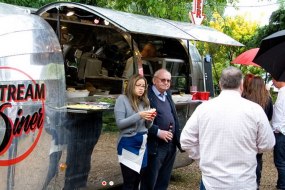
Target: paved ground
x=188, y=178
x=29, y=175
x=185, y=178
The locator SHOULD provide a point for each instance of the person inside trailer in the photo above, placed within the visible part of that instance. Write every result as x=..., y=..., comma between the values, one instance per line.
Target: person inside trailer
x=149, y=51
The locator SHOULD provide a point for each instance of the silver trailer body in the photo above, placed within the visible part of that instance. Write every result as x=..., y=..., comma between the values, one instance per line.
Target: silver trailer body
x=43, y=141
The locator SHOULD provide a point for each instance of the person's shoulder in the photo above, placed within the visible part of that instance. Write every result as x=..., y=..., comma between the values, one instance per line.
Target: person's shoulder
x=281, y=92
x=246, y=101
x=253, y=105
x=149, y=90
x=130, y=59
x=122, y=97
x=209, y=103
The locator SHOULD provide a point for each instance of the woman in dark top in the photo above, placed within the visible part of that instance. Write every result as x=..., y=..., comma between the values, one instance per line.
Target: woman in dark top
x=255, y=90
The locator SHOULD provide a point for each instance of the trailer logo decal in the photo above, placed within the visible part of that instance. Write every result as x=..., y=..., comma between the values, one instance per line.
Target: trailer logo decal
x=21, y=123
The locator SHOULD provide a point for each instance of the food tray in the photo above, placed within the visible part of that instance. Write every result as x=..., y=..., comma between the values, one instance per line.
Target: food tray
x=89, y=106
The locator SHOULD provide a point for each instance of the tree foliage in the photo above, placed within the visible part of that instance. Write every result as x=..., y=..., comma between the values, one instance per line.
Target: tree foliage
x=174, y=9
x=28, y=3
x=239, y=29
x=276, y=23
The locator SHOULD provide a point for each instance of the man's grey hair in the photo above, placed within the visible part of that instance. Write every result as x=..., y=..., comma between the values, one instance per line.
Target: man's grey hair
x=160, y=71
x=231, y=78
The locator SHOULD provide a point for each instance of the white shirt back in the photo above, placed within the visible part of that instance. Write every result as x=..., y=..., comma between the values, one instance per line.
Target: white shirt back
x=225, y=134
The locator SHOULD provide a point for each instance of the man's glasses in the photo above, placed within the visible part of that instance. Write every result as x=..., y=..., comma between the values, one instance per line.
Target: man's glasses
x=164, y=80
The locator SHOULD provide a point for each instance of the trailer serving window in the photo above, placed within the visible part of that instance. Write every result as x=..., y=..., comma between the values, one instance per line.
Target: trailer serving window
x=176, y=67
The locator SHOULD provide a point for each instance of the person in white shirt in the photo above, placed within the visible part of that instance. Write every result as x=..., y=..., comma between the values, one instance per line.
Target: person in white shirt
x=225, y=133
x=278, y=124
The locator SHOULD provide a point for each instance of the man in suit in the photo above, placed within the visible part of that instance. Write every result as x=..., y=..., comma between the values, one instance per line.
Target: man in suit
x=163, y=136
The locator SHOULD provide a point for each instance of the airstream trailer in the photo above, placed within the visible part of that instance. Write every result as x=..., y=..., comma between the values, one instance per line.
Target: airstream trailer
x=32, y=84
x=79, y=65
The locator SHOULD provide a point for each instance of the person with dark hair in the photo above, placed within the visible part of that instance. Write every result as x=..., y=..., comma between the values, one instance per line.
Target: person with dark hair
x=133, y=118
x=225, y=133
x=278, y=125
x=257, y=92
x=163, y=136
x=149, y=51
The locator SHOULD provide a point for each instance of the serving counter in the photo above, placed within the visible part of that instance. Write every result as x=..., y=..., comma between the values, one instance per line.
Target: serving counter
x=94, y=104
x=80, y=130
x=86, y=116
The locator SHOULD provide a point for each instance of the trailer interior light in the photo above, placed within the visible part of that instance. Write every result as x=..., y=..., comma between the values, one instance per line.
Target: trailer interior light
x=96, y=21
x=70, y=13
x=106, y=22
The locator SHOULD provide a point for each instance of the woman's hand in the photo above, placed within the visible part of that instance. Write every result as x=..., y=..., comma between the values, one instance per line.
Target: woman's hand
x=148, y=115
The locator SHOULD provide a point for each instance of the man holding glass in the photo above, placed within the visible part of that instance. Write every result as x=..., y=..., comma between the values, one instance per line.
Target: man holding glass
x=163, y=136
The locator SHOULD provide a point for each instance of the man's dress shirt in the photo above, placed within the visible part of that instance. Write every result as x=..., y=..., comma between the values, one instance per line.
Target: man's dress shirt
x=278, y=118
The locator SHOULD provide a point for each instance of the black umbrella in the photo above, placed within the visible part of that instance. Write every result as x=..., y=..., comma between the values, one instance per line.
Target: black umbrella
x=271, y=55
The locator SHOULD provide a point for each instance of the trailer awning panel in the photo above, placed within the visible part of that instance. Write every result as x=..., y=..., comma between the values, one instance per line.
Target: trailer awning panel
x=205, y=34
x=140, y=24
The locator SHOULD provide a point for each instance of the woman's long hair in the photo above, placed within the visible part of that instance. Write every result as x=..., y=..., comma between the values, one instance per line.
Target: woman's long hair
x=247, y=79
x=130, y=92
x=256, y=91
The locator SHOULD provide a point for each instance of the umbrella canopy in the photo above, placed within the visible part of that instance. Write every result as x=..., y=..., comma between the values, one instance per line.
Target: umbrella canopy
x=271, y=55
x=246, y=57
x=271, y=41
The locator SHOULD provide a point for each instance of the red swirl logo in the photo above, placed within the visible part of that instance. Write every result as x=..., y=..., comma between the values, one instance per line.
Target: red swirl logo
x=20, y=123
